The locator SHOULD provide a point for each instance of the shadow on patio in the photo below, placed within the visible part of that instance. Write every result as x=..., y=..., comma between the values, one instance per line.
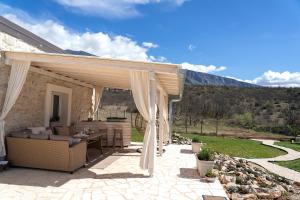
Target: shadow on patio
x=189, y=173
x=94, y=170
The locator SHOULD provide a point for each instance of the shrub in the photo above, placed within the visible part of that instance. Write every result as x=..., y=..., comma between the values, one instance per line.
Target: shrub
x=206, y=154
x=196, y=140
x=210, y=174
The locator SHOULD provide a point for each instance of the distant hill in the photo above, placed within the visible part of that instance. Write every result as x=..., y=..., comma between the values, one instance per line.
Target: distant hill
x=198, y=78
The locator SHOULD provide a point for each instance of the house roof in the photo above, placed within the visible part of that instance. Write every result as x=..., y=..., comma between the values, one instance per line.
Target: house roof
x=113, y=73
x=28, y=37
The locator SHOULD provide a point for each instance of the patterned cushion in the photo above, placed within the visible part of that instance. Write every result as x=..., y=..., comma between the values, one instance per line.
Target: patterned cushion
x=75, y=141
x=47, y=132
x=19, y=134
x=37, y=130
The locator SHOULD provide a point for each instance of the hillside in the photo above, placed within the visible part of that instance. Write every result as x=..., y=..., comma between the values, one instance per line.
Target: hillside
x=198, y=78
x=274, y=110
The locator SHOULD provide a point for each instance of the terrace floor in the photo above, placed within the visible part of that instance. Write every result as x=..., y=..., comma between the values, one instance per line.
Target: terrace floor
x=115, y=177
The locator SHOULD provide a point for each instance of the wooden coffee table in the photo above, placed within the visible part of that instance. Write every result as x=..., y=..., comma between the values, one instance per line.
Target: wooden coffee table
x=91, y=139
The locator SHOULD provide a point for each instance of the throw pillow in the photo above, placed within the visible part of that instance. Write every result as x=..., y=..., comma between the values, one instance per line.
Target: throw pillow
x=37, y=130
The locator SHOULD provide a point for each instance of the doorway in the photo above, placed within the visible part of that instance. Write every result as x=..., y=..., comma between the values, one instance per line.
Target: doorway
x=58, y=105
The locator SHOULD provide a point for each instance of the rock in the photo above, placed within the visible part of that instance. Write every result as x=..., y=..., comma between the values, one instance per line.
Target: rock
x=274, y=194
x=242, y=180
x=262, y=195
x=224, y=179
x=236, y=196
x=249, y=197
x=297, y=183
x=231, y=187
x=254, y=186
x=280, y=188
x=245, y=189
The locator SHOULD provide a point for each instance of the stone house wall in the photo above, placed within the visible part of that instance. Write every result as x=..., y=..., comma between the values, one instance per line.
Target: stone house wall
x=9, y=43
x=29, y=109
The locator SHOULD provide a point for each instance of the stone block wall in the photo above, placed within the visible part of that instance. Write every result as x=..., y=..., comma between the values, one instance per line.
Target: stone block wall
x=29, y=109
x=9, y=43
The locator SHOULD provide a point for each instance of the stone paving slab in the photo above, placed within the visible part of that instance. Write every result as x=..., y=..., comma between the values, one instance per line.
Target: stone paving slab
x=175, y=178
x=274, y=168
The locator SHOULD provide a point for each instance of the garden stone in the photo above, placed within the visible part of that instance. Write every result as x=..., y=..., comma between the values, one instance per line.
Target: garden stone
x=249, y=197
x=236, y=196
x=263, y=195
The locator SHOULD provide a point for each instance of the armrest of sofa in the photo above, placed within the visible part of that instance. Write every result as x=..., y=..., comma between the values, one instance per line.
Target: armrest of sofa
x=77, y=155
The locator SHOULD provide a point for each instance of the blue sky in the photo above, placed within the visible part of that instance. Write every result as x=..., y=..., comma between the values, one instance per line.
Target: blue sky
x=253, y=40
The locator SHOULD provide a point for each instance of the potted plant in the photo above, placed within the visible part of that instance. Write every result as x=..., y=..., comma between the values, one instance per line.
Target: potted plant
x=196, y=144
x=205, y=161
x=210, y=176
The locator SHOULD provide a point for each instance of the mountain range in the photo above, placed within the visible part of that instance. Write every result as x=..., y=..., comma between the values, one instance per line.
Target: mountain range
x=193, y=78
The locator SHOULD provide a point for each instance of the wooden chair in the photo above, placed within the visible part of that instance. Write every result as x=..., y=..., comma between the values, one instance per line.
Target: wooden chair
x=118, y=137
x=104, y=136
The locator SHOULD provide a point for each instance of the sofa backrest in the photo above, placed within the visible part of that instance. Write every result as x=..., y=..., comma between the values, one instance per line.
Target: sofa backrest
x=47, y=154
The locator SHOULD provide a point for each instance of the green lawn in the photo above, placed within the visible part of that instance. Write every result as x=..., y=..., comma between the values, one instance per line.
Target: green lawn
x=288, y=144
x=238, y=147
x=136, y=136
x=294, y=164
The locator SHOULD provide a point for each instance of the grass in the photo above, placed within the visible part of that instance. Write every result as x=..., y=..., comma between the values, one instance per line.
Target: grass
x=226, y=130
x=288, y=144
x=294, y=164
x=136, y=136
x=243, y=148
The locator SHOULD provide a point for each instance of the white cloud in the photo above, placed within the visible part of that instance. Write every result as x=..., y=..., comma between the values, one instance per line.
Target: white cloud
x=278, y=79
x=99, y=43
x=202, y=68
x=191, y=47
x=150, y=45
x=113, y=8
x=158, y=59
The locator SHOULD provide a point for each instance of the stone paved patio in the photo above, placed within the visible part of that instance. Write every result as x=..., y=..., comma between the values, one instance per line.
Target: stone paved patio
x=115, y=177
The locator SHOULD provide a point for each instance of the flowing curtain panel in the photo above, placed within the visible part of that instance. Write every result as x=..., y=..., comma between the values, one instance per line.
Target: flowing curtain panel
x=18, y=74
x=97, y=95
x=144, y=94
x=163, y=119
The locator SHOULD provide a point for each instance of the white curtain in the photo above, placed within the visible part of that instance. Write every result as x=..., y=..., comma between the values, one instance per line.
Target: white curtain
x=18, y=74
x=97, y=95
x=163, y=119
x=144, y=94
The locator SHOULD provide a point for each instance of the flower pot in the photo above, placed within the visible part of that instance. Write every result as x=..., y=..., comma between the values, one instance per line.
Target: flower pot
x=196, y=147
x=204, y=166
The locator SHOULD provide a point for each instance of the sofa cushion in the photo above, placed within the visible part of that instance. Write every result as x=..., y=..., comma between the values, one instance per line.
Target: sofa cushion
x=75, y=141
x=63, y=130
x=41, y=136
x=61, y=138
x=19, y=134
x=47, y=132
x=37, y=130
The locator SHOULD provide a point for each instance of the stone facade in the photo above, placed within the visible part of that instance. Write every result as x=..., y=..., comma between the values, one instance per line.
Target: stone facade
x=9, y=43
x=29, y=109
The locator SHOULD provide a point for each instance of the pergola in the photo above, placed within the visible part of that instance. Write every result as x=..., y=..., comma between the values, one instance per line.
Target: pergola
x=151, y=83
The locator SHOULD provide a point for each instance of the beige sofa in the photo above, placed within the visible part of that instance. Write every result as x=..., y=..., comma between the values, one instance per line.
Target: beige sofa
x=46, y=154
